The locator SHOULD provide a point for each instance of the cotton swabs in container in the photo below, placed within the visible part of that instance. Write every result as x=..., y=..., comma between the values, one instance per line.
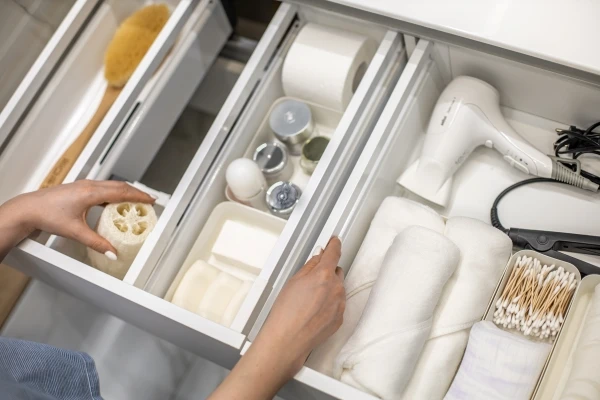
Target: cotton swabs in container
x=535, y=299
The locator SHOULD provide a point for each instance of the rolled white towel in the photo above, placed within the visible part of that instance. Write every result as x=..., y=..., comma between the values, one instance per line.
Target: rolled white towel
x=498, y=365
x=584, y=378
x=393, y=216
x=484, y=253
x=381, y=354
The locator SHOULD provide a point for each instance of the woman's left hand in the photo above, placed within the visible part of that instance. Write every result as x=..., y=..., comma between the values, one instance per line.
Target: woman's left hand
x=61, y=210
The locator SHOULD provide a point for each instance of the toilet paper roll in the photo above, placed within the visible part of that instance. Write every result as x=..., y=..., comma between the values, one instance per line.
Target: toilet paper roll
x=126, y=226
x=218, y=296
x=325, y=65
x=194, y=285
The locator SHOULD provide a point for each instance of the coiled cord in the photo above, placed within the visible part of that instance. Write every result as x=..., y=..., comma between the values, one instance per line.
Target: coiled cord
x=576, y=142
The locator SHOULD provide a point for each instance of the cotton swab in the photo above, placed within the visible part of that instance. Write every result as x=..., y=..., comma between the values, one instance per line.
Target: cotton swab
x=535, y=298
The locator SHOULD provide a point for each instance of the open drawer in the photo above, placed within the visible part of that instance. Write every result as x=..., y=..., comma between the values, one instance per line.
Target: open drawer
x=62, y=90
x=534, y=102
x=139, y=297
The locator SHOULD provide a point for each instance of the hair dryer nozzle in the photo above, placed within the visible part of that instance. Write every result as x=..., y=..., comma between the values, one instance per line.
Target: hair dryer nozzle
x=422, y=178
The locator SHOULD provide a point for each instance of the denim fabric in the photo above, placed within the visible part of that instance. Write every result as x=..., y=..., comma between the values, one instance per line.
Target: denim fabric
x=34, y=371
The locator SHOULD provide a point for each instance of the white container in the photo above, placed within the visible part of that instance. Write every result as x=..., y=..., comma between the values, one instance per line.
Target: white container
x=222, y=241
x=561, y=359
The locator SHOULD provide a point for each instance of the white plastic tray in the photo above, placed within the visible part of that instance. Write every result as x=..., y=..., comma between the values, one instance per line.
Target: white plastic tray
x=545, y=260
x=561, y=359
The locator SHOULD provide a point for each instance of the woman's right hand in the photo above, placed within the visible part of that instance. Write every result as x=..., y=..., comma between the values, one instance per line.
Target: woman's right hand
x=309, y=309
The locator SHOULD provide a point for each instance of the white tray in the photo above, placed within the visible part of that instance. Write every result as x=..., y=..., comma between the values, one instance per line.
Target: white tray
x=561, y=359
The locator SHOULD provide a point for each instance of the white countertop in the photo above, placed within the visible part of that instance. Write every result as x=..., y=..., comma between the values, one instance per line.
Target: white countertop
x=566, y=32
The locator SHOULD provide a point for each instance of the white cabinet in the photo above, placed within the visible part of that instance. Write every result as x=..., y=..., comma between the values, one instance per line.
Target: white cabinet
x=131, y=133
x=533, y=100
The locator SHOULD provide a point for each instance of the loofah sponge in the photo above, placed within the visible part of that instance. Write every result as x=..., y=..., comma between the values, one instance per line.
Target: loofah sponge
x=125, y=226
x=131, y=42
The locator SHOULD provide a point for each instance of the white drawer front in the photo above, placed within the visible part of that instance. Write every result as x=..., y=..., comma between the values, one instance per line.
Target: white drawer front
x=396, y=141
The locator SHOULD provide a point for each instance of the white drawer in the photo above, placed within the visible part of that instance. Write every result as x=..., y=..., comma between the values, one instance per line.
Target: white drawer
x=535, y=102
x=139, y=297
x=43, y=118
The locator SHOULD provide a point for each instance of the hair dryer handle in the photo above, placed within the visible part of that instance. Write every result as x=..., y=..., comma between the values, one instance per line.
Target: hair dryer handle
x=517, y=151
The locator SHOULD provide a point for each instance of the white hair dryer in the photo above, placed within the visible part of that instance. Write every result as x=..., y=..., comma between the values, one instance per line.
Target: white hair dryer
x=467, y=115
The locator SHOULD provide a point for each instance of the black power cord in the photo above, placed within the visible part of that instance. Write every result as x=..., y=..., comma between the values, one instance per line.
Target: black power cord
x=576, y=142
x=494, y=211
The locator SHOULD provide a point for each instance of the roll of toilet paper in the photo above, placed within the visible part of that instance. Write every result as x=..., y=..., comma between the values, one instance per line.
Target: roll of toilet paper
x=194, y=285
x=325, y=65
x=126, y=226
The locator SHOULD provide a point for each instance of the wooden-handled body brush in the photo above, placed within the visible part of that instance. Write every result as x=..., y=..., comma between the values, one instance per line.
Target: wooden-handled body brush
x=126, y=50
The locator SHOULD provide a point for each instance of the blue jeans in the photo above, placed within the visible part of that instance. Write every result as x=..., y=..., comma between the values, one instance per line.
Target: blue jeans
x=34, y=371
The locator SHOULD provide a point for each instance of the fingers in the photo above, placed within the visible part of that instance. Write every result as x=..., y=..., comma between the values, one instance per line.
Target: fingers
x=118, y=192
x=340, y=273
x=332, y=253
x=314, y=260
x=91, y=239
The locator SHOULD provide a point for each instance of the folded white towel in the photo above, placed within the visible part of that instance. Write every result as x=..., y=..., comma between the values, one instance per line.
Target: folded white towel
x=484, y=253
x=381, y=354
x=393, y=216
x=584, y=379
x=498, y=365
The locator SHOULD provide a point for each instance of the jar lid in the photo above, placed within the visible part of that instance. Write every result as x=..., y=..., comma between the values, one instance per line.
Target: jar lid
x=291, y=121
x=271, y=157
x=282, y=197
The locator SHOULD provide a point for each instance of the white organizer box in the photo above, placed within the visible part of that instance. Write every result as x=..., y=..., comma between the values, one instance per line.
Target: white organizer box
x=134, y=129
x=533, y=100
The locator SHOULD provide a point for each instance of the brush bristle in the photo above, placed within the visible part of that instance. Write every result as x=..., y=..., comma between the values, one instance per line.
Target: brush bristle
x=131, y=42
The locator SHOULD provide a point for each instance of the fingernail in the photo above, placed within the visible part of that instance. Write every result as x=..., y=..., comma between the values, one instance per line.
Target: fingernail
x=155, y=197
x=111, y=256
x=318, y=251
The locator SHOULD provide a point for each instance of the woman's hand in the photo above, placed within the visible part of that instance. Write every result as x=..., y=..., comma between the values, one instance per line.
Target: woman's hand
x=308, y=310
x=61, y=210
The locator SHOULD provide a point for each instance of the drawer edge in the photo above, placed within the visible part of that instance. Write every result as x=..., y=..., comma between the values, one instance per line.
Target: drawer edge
x=43, y=66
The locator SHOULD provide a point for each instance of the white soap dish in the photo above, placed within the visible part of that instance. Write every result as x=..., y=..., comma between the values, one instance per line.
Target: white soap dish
x=236, y=240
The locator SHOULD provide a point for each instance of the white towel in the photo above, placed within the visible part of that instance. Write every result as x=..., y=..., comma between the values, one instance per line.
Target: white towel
x=498, y=365
x=393, y=216
x=381, y=354
x=484, y=253
x=584, y=379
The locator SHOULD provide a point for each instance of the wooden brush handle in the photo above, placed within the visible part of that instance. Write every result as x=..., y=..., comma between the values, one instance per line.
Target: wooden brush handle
x=61, y=168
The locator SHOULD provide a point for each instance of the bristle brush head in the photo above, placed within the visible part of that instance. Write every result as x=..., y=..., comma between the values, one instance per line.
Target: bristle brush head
x=131, y=42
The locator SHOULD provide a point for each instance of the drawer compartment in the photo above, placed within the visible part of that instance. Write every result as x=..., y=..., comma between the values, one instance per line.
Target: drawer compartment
x=533, y=101
x=139, y=298
x=347, y=131
x=72, y=93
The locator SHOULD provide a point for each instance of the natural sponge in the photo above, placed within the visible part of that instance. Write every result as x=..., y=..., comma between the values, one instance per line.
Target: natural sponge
x=131, y=42
x=126, y=226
